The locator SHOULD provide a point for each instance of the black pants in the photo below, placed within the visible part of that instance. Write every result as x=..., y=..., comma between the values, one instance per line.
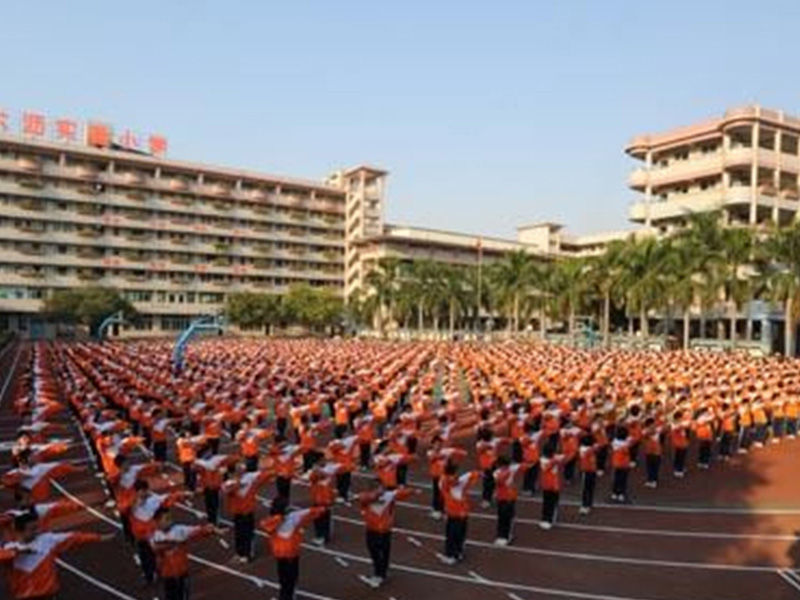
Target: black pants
x=147, y=560
x=549, y=505
x=725, y=443
x=379, y=546
x=288, y=571
x=189, y=477
x=516, y=451
x=309, y=458
x=704, y=452
x=569, y=470
x=505, y=518
x=679, y=460
x=339, y=430
x=745, y=437
x=251, y=463
x=244, y=527
x=176, y=588
x=213, y=444
x=125, y=519
x=160, y=450
x=530, y=477
x=602, y=457
x=343, y=485
x=437, y=502
x=587, y=493
x=365, y=450
x=653, y=465
x=620, y=484
x=280, y=427
x=322, y=526
x=211, y=497
x=488, y=484
x=455, y=536
x=284, y=487
x=402, y=474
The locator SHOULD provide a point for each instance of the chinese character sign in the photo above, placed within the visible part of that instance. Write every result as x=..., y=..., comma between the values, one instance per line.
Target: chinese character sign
x=35, y=125
x=98, y=135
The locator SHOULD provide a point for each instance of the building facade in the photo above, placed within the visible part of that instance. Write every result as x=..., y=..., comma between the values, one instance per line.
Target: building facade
x=173, y=237
x=744, y=164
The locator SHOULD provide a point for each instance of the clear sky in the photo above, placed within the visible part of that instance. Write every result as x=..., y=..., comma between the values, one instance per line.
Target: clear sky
x=487, y=114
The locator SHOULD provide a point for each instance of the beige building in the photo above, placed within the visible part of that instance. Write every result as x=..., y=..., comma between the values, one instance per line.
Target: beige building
x=174, y=237
x=745, y=164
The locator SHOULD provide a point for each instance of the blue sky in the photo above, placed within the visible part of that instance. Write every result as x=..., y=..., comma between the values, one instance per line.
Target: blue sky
x=487, y=114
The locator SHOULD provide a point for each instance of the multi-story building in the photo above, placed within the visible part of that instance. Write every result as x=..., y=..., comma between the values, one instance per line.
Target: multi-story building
x=173, y=236
x=744, y=164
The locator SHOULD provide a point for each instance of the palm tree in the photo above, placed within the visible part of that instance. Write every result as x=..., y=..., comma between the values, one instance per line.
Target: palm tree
x=383, y=283
x=737, y=251
x=642, y=280
x=782, y=276
x=569, y=284
x=454, y=292
x=512, y=277
x=606, y=274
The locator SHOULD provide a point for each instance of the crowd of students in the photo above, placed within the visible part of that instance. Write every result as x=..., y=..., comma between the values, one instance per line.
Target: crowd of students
x=243, y=415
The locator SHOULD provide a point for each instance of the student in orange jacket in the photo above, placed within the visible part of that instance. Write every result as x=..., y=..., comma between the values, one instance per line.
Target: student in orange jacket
x=621, y=463
x=505, y=491
x=36, y=479
x=143, y=525
x=551, y=465
x=323, y=495
x=284, y=531
x=587, y=455
x=377, y=508
x=455, y=491
x=653, y=449
x=169, y=543
x=240, y=497
x=30, y=559
x=438, y=457
x=187, y=446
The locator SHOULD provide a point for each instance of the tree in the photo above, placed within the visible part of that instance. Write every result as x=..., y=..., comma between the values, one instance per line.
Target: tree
x=250, y=309
x=455, y=294
x=737, y=251
x=642, y=279
x=606, y=274
x=781, y=274
x=513, y=277
x=569, y=283
x=313, y=308
x=87, y=306
x=383, y=282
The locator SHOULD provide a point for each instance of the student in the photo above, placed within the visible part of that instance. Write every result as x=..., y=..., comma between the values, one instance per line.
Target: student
x=550, y=481
x=323, y=495
x=679, y=438
x=506, y=494
x=30, y=559
x=284, y=531
x=187, y=454
x=652, y=452
x=438, y=457
x=240, y=497
x=587, y=453
x=285, y=465
x=704, y=433
x=377, y=509
x=487, y=449
x=125, y=492
x=455, y=491
x=530, y=458
x=169, y=547
x=621, y=463
x=212, y=471
x=143, y=525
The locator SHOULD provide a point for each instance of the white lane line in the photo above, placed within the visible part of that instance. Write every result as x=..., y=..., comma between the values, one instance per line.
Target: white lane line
x=622, y=530
x=782, y=573
x=586, y=556
x=722, y=510
x=258, y=581
x=10, y=374
x=629, y=530
x=95, y=582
